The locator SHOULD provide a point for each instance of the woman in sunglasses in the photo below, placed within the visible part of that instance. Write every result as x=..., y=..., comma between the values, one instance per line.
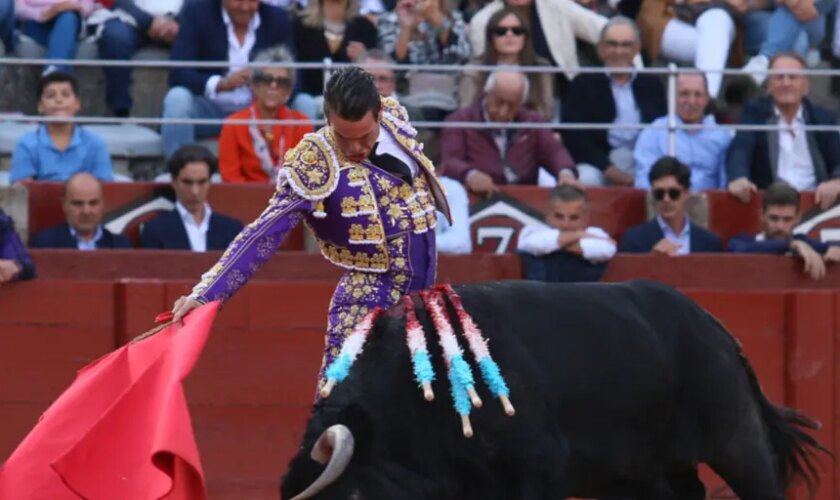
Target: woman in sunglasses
x=253, y=152
x=508, y=42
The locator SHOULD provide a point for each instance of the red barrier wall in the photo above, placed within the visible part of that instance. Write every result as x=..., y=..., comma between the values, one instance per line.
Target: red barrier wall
x=251, y=390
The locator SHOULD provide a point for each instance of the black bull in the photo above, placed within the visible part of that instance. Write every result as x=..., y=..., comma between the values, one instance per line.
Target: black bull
x=620, y=391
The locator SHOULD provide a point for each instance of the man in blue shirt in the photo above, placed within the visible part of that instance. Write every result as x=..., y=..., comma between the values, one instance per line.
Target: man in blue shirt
x=704, y=150
x=779, y=218
x=57, y=150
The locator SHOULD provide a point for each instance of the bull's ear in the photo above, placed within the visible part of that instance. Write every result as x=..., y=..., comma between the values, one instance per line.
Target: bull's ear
x=359, y=421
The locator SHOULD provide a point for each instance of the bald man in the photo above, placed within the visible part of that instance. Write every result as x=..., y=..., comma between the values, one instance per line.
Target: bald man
x=83, y=207
x=484, y=159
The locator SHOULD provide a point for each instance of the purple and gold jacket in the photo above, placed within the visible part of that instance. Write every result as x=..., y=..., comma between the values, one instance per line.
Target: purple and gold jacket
x=353, y=209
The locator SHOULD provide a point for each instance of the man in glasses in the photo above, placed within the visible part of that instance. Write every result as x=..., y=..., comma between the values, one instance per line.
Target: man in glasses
x=780, y=216
x=671, y=232
x=620, y=97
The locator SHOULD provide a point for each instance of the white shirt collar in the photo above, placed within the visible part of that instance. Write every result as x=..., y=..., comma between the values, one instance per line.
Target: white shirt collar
x=189, y=219
x=797, y=118
x=86, y=245
x=252, y=25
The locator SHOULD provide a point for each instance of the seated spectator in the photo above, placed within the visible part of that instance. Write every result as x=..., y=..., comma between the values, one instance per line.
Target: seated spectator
x=330, y=29
x=805, y=160
x=779, y=217
x=508, y=41
x=695, y=34
x=427, y=32
x=15, y=262
x=192, y=225
x=219, y=30
x=484, y=159
x=127, y=27
x=703, y=150
x=386, y=79
x=253, y=153
x=556, y=26
x=569, y=248
x=57, y=149
x=783, y=30
x=55, y=25
x=671, y=232
x=605, y=157
x=83, y=207
x=454, y=238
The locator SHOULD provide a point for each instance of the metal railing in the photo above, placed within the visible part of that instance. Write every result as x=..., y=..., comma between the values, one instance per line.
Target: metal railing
x=671, y=72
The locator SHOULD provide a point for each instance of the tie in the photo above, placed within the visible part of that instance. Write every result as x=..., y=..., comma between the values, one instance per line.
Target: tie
x=391, y=164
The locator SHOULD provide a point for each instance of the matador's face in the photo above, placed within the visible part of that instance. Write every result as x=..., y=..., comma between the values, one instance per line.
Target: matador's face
x=355, y=138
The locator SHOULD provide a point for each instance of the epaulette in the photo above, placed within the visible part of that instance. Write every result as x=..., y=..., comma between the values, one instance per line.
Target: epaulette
x=394, y=108
x=311, y=168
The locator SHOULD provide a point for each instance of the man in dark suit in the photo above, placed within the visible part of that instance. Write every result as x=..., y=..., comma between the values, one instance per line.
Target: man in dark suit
x=780, y=215
x=83, y=206
x=484, y=159
x=605, y=157
x=207, y=30
x=805, y=160
x=192, y=225
x=671, y=232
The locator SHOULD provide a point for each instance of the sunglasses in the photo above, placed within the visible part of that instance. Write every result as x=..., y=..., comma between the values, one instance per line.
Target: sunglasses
x=504, y=30
x=672, y=193
x=281, y=81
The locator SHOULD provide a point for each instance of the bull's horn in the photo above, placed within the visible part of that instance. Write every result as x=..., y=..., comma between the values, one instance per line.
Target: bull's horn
x=335, y=449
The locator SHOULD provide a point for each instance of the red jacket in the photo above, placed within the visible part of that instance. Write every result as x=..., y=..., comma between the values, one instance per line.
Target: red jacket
x=528, y=149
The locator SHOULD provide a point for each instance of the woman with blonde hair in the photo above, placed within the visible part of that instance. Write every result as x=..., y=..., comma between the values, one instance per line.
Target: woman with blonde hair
x=508, y=42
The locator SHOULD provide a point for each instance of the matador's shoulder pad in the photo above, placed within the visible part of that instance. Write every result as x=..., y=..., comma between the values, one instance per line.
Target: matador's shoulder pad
x=311, y=167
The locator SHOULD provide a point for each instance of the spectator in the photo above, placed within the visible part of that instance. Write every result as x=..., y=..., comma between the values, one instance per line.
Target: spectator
x=508, y=41
x=129, y=26
x=622, y=98
x=784, y=28
x=568, y=248
x=57, y=149
x=385, y=79
x=556, y=26
x=512, y=155
x=427, y=32
x=55, y=25
x=83, y=207
x=15, y=262
x=805, y=160
x=703, y=150
x=7, y=25
x=253, y=153
x=780, y=215
x=696, y=34
x=330, y=29
x=219, y=30
x=192, y=225
x=454, y=238
x=671, y=232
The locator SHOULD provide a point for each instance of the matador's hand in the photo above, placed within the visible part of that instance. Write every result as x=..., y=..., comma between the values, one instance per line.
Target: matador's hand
x=182, y=307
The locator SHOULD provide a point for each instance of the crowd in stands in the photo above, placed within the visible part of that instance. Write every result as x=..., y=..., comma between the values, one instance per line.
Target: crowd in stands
x=619, y=35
